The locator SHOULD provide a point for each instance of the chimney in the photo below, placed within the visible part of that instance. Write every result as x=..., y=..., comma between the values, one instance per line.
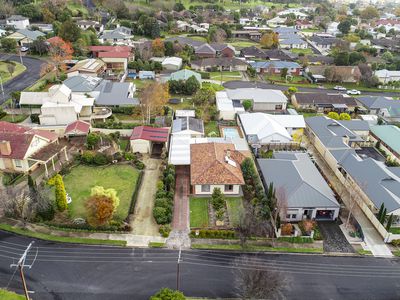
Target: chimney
x=5, y=148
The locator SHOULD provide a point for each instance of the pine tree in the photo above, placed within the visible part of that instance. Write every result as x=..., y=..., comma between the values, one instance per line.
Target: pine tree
x=389, y=222
x=379, y=216
x=382, y=219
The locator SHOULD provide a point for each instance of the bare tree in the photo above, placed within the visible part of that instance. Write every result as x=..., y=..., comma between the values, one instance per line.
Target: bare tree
x=152, y=98
x=11, y=68
x=17, y=204
x=255, y=281
x=278, y=207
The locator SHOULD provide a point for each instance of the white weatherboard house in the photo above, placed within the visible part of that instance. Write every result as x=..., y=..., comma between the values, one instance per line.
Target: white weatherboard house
x=299, y=182
x=18, y=22
x=262, y=99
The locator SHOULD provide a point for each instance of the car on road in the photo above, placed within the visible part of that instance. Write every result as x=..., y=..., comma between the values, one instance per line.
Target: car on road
x=24, y=49
x=339, y=88
x=353, y=92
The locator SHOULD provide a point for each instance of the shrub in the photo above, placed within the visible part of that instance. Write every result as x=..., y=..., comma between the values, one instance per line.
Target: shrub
x=100, y=159
x=87, y=157
x=396, y=243
x=92, y=140
x=205, y=75
x=161, y=215
x=100, y=209
x=164, y=230
x=129, y=156
x=333, y=115
x=209, y=234
x=306, y=226
x=139, y=165
x=286, y=229
x=61, y=195
x=35, y=118
x=110, y=193
x=217, y=199
x=168, y=294
x=247, y=104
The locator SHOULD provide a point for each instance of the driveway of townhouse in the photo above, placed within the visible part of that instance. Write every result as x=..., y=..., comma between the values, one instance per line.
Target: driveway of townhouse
x=143, y=222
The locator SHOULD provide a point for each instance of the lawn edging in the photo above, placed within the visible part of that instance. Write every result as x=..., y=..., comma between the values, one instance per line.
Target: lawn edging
x=61, y=239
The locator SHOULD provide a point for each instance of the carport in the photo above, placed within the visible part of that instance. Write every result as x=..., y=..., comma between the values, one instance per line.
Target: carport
x=151, y=140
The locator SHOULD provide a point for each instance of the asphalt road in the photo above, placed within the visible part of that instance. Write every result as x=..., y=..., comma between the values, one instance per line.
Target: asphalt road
x=92, y=272
x=24, y=80
x=264, y=85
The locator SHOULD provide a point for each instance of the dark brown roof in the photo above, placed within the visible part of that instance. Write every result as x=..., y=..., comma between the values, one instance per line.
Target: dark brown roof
x=321, y=99
x=47, y=152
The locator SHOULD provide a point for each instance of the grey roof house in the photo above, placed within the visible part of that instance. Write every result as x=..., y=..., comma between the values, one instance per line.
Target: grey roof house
x=384, y=107
x=299, y=182
x=340, y=147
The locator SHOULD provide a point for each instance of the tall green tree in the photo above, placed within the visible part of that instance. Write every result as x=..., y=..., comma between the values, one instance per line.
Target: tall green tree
x=69, y=31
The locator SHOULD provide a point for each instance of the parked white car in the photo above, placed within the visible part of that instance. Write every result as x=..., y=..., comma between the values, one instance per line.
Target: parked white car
x=24, y=49
x=339, y=88
x=354, y=92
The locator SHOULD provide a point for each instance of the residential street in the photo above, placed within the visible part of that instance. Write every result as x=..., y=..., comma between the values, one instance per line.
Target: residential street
x=24, y=80
x=264, y=85
x=91, y=272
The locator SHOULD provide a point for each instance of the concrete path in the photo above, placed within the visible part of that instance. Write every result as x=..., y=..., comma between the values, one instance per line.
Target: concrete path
x=143, y=222
x=372, y=238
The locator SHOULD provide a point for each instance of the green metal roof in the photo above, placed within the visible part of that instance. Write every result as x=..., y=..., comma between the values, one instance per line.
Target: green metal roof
x=185, y=75
x=389, y=134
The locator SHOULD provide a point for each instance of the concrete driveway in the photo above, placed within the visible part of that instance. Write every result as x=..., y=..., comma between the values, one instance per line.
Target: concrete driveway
x=143, y=222
x=24, y=80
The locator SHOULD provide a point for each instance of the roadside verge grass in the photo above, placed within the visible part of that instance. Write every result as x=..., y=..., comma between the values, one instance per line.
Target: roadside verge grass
x=7, y=295
x=61, y=239
x=252, y=248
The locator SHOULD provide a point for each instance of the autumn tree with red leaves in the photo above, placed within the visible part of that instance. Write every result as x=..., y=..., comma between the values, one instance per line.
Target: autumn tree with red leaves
x=100, y=209
x=60, y=51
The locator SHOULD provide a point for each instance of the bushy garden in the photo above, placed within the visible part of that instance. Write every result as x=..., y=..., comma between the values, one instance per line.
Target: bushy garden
x=164, y=199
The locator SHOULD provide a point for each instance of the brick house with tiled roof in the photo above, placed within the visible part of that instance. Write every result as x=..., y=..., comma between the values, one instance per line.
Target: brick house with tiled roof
x=23, y=149
x=215, y=165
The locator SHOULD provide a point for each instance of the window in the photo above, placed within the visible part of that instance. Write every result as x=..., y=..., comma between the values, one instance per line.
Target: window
x=288, y=216
x=294, y=216
x=229, y=188
x=205, y=188
x=18, y=163
x=278, y=106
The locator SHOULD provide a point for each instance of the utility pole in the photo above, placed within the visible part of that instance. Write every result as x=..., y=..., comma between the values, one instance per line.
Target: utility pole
x=20, y=56
x=177, y=272
x=20, y=265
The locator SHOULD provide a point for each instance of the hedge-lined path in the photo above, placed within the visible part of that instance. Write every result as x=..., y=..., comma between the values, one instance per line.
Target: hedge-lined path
x=143, y=222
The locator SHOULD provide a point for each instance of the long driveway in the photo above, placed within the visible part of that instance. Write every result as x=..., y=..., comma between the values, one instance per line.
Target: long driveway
x=24, y=80
x=91, y=272
x=235, y=84
x=143, y=222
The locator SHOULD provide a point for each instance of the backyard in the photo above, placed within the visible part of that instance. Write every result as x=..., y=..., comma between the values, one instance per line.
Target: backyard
x=81, y=179
x=211, y=126
x=14, y=118
x=199, y=217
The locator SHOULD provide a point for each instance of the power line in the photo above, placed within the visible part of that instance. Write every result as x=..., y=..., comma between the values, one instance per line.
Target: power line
x=20, y=265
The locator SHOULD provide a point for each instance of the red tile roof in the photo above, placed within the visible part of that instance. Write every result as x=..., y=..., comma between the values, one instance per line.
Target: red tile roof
x=150, y=134
x=110, y=48
x=77, y=127
x=209, y=164
x=20, y=138
x=112, y=54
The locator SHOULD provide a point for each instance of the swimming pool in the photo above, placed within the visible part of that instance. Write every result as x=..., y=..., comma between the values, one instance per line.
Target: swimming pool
x=230, y=132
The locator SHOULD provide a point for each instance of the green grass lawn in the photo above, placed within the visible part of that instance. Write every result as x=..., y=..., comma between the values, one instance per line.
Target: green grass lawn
x=5, y=74
x=239, y=44
x=77, y=8
x=394, y=230
x=211, y=126
x=14, y=118
x=305, y=51
x=61, y=239
x=216, y=87
x=226, y=75
x=185, y=104
x=7, y=295
x=199, y=38
x=81, y=179
x=198, y=212
x=293, y=79
x=234, y=206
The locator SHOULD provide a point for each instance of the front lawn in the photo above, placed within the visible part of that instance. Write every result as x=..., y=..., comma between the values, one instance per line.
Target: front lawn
x=226, y=76
x=394, y=230
x=211, y=126
x=234, y=206
x=198, y=212
x=293, y=79
x=239, y=44
x=81, y=179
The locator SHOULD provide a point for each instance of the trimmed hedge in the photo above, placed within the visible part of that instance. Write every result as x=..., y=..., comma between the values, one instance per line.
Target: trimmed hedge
x=214, y=234
x=135, y=193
